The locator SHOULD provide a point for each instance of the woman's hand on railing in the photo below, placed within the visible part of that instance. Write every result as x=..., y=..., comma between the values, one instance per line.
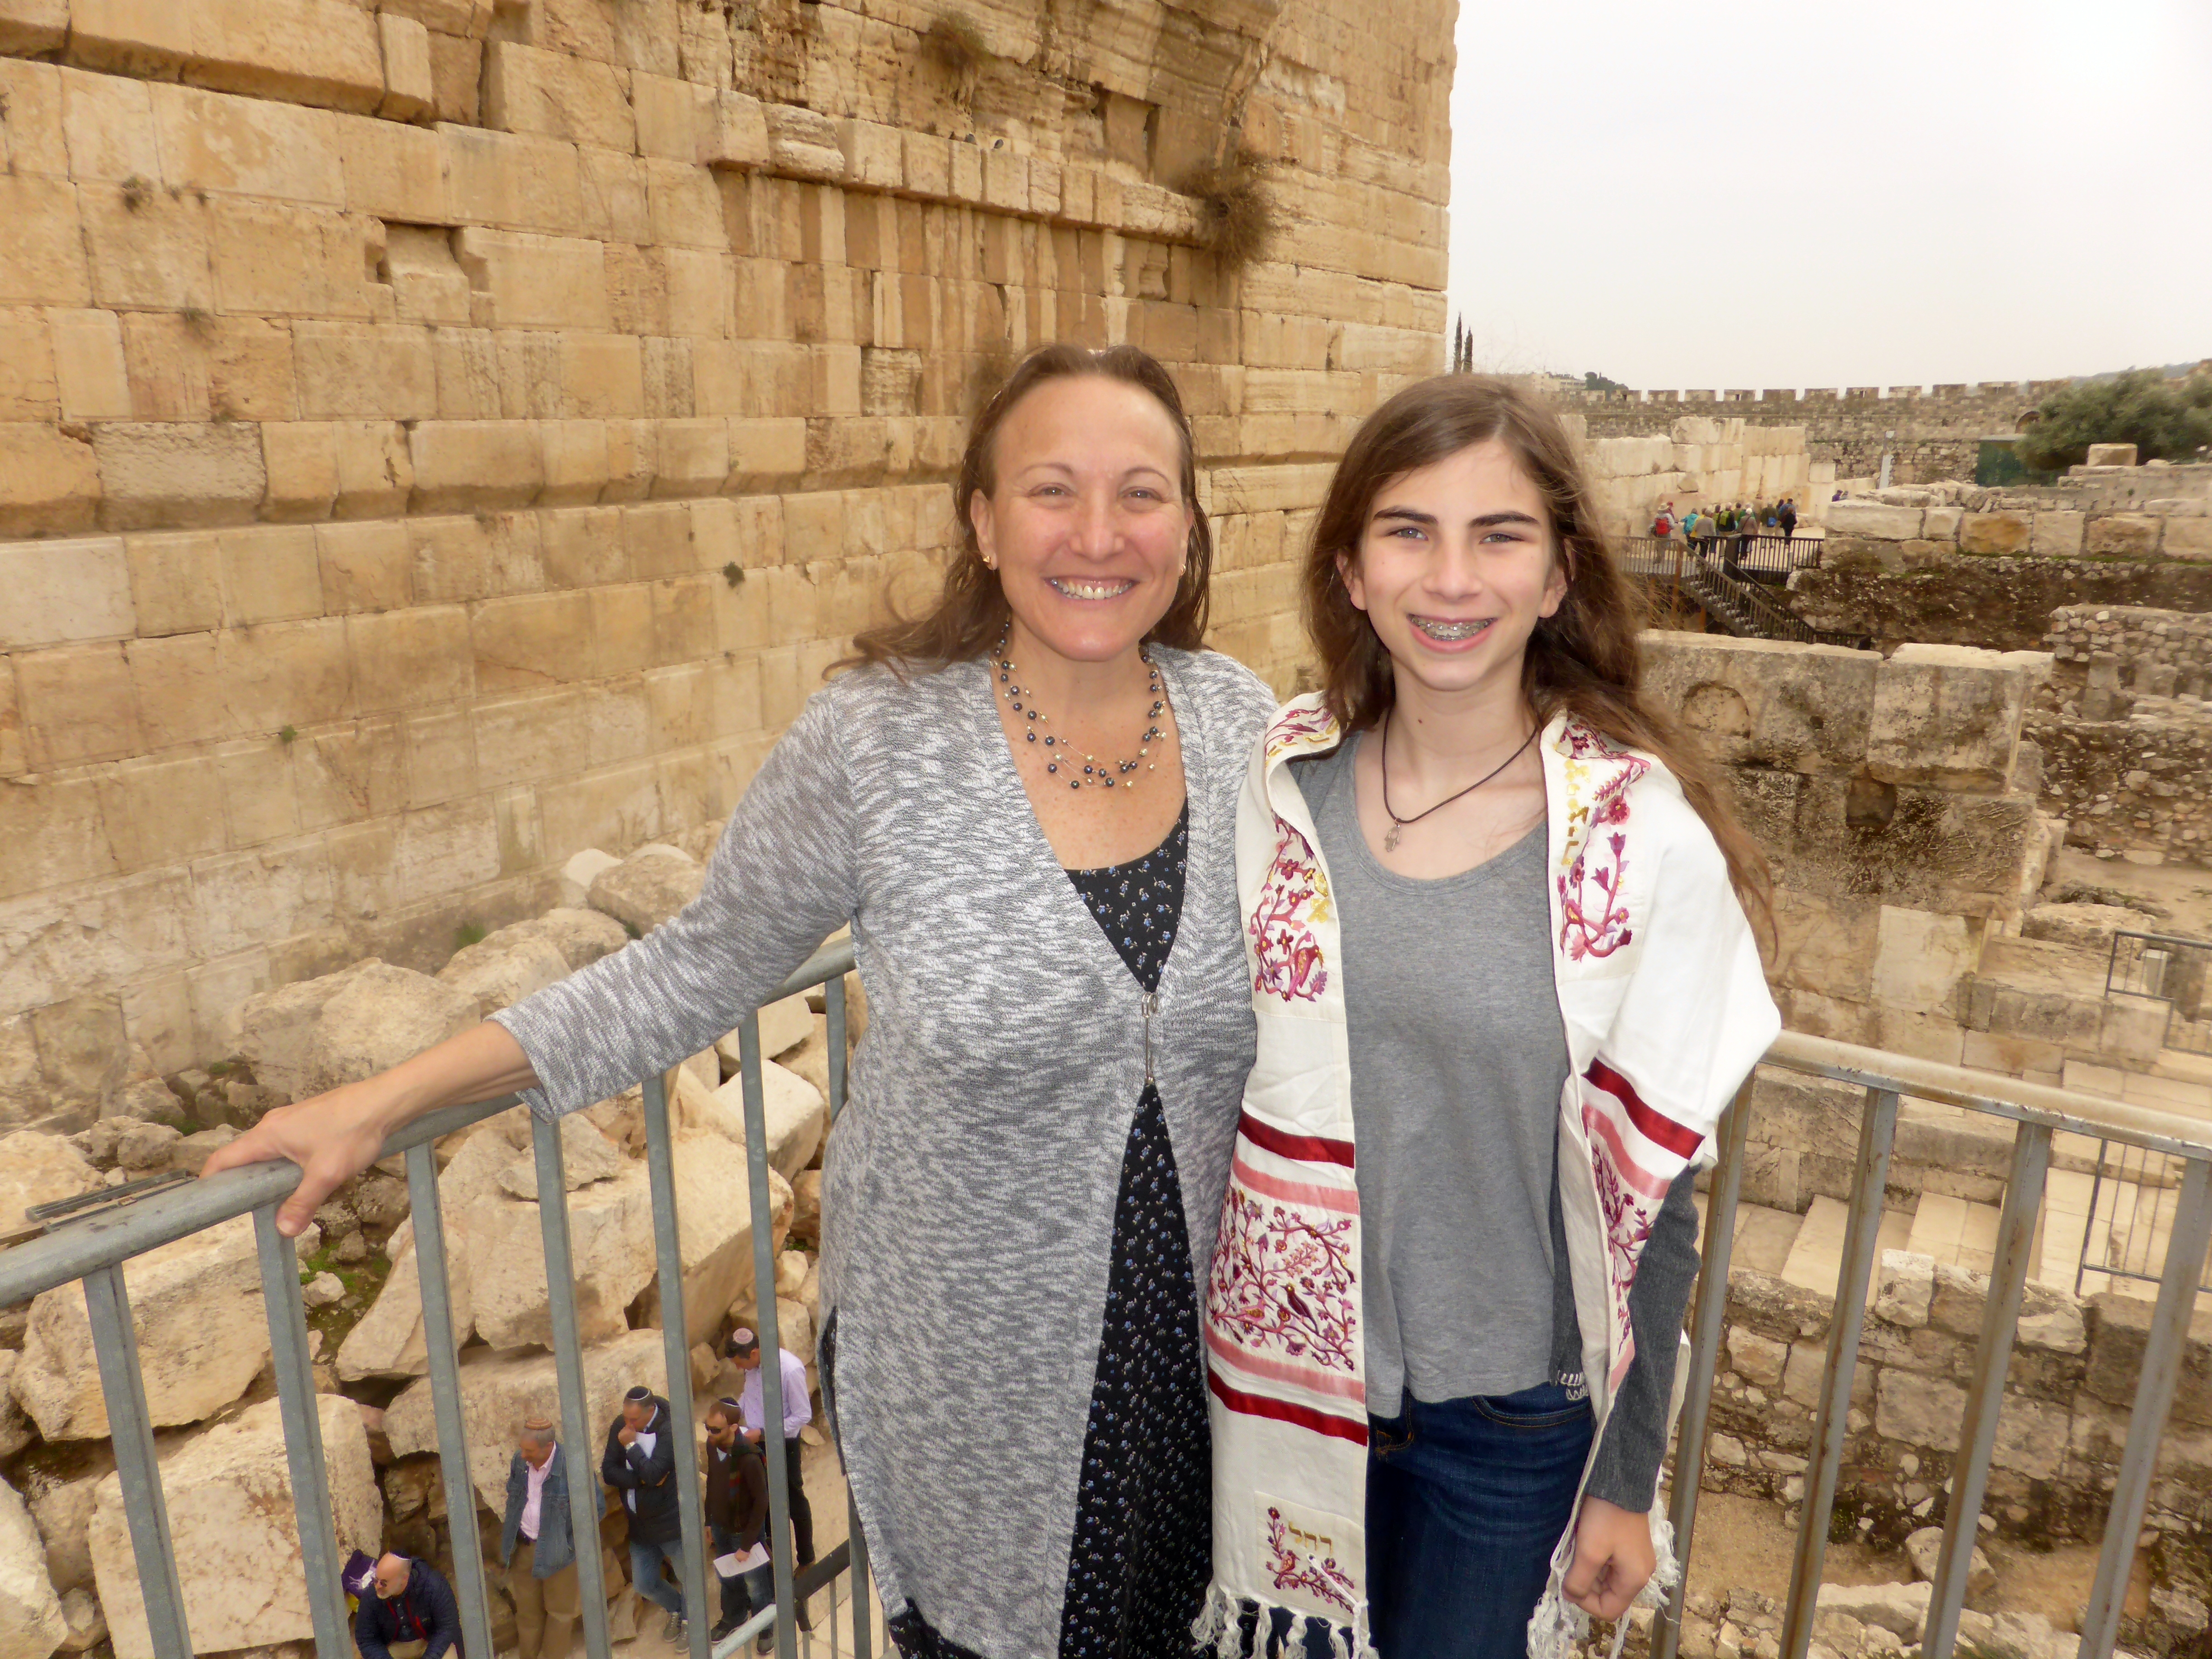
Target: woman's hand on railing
x=1614, y=1559
x=335, y=1136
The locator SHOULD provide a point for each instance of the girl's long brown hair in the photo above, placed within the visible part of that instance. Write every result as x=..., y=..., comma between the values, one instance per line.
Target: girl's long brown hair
x=1584, y=659
x=971, y=609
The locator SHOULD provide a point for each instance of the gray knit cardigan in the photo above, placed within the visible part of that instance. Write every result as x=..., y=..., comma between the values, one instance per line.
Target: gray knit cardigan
x=970, y=1185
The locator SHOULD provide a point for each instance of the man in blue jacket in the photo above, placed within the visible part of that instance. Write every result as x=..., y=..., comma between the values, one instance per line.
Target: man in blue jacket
x=410, y=1614
x=537, y=1545
x=640, y=1463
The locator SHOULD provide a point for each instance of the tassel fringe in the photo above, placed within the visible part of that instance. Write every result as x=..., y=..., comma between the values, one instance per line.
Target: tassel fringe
x=1218, y=1629
x=1559, y=1627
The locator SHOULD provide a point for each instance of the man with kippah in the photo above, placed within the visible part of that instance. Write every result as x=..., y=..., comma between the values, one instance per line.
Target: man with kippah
x=736, y=1514
x=537, y=1545
x=744, y=1349
x=640, y=1463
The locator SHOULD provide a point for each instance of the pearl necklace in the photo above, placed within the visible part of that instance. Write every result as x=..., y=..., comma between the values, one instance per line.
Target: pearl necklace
x=1103, y=774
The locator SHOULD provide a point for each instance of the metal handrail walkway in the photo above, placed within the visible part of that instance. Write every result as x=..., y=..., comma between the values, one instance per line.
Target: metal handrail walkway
x=2039, y=1112
x=94, y=1250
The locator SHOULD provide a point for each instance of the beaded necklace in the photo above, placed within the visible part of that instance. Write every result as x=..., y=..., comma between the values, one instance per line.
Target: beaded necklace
x=1103, y=774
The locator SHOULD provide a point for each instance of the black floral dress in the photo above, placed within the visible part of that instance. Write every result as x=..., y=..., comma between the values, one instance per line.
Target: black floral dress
x=1142, y=1552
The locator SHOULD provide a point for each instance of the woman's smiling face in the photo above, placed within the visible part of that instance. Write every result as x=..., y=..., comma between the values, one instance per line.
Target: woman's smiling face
x=1085, y=521
x=1456, y=566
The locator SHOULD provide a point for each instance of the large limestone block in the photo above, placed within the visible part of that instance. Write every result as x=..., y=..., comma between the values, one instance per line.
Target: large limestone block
x=203, y=1336
x=14, y=1428
x=783, y=1026
x=1920, y=956
x=713, y=1210
x=1765, y=703
x=581, y=936
x=1948, y=715
x=501, y=969
x=304, y=1038
x=1875, y=520
x=611, y=1238
x=578, y=874
x=229, y=1498
x=649, y=886
x=500, y=1390
x=793, y=1114
x=63, y=1514
x=38, y=1169
x=31, y=1623
x=1994, y=532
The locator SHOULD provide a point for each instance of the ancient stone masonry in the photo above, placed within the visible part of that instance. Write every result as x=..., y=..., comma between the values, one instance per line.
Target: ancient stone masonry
x=438, y=437
x=1700, y=461
x=1955, y=563
x=1928, y=432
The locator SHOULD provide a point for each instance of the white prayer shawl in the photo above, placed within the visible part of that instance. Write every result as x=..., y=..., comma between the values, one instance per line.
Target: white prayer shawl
x=1666, y=1010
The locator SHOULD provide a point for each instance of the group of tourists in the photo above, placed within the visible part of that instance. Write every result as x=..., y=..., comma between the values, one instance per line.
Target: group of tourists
x=1262, y=1218
x=1738, y=524
x=406, y=1610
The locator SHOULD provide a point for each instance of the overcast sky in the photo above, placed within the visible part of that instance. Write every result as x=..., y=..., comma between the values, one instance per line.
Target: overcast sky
x=1762, y=193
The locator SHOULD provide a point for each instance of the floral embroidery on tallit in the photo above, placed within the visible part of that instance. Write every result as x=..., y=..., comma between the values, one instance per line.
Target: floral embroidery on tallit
x=1283, y=1280
x=1627, y=1215
x=1594, y=921
x=1295, y=1570
x=1295, y=727
x=1294, y=896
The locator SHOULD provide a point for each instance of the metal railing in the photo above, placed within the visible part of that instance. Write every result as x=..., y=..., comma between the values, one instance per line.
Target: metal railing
x=1735, y=599
x=2131, y=1199
x=2039, y=1112
x=95, y=1248
x=2170, y=968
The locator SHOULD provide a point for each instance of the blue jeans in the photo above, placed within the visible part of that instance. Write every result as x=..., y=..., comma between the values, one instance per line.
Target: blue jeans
x=1465, y=1501
x=645, y=1561
x=743, y=1594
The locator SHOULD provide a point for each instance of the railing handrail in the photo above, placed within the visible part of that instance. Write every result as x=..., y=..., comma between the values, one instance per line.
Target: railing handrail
x=2058, y=1109
x=104, y=1237
x=2119, y=934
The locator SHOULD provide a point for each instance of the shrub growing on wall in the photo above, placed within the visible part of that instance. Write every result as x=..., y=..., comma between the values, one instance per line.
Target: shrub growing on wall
x=2165, y=418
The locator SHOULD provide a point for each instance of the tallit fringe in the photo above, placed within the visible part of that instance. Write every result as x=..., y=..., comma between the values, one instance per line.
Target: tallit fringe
x=1219, y=1629
x=1559, y=1627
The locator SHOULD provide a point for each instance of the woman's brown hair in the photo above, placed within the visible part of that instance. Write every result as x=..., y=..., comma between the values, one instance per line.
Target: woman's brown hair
x=971, y=611
x=1583, y=659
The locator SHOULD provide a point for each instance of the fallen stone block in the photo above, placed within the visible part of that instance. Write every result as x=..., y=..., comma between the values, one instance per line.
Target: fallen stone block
x=38, y=1169
x=228, y=1493
x=581, y=935
x=1925, y=1547
x=578, y=874
x=203, y=1335
x=646, y=888
x=503, y=968
x=305, y=1038
x=31, y=1622
x=1900, y=1609
x=783, y=1026
x=14, y=1426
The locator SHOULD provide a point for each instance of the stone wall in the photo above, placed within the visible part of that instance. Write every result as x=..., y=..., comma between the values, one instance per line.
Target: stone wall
x=1891, y=797
x=1701, y=461
x=1957, y=564
x=1929, y=432
x=438, y=437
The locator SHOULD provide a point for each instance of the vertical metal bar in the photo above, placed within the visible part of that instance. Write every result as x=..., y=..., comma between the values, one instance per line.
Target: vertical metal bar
x=864, y=1590
x=576, y=1442
x=676, y=1346
x=1720, y=1196
x=832, y=1008
x=445, y=1396
x=303, y=1434
x=1978, y=1436
x=771, y=1348
x=131, y=1426
x=2162, y=1371
x=2089, y=1227
x=1877, y=1129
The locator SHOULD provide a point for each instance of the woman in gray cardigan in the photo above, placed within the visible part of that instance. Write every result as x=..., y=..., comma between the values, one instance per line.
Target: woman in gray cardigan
x=1023, y=805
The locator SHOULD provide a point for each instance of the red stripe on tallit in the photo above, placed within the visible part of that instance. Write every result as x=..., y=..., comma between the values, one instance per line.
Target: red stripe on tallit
x=1309, y=1149
x=1282, y=1410
x=1654, y=1125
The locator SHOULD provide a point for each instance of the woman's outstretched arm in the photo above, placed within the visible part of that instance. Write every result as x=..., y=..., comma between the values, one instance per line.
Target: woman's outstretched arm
x=335, y=1136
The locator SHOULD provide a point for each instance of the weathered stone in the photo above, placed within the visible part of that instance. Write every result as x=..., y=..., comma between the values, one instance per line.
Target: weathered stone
x=646, y=888
x=63, y=1512
x=87, y=1623
x=1900, y=1609
x=1904, y=1286
x=1874, y=520
x=578, y=874
x=1926, y=1547
x=1995, y=533
x=145, y=1146
x=581, y=936
x=1767, y=704
x=31, y=1622
x=503, y=968
x=783, y=1026
x=500, y=1390
x=793, y=1114
x=14, y=1426
x=586, y=1156
x=1946, y=714
x=228, y=1493
x=1756, y=1359
x=196, y=1306
x=305, y=1038
x=38, y=1169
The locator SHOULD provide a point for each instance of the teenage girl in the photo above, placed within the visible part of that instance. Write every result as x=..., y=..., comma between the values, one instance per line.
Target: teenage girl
x=1504, y=986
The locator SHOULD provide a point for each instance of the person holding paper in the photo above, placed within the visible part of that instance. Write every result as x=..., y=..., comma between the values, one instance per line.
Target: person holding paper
x=737, y=1516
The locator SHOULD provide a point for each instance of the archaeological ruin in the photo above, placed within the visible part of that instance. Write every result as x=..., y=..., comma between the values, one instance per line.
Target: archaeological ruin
x=443, y=442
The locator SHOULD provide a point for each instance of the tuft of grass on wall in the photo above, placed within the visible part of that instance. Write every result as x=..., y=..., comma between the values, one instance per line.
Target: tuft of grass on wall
x=1238, y=216
x=955, y=45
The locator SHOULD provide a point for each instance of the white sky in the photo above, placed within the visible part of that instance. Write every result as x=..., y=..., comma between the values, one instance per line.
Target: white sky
x=1767, y=193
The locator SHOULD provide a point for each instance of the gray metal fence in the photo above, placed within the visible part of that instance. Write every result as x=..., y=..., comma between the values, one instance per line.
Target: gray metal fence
x=2039, y=1113
x=2132, y=1201
x=93, y=1248
x=2169, y=968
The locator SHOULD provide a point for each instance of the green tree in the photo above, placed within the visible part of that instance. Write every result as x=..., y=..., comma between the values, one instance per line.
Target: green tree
x=2165, y=418
x=1594, y=381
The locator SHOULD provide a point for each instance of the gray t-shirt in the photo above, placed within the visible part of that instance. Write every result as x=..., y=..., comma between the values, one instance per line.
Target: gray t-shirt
x=1458, y=1059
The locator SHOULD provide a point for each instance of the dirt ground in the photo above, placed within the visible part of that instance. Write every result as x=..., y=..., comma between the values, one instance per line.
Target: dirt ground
x=2182, y=891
